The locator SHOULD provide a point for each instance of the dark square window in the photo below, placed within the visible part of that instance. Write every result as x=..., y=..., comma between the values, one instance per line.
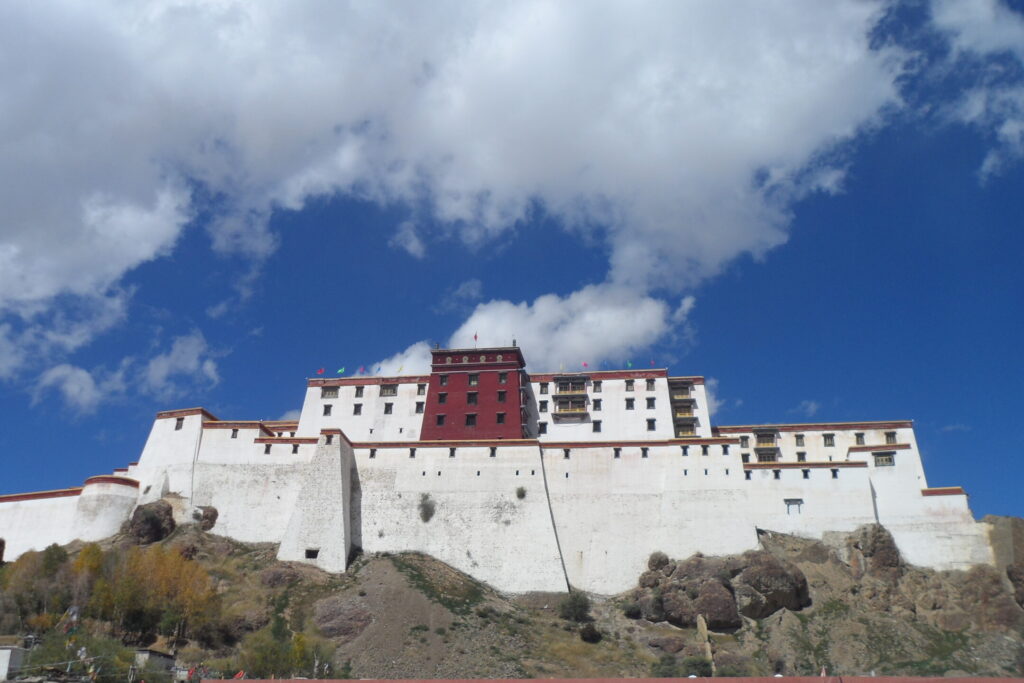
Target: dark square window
x=502, y=377
x=565, y=453
x=357, y=408
x=373, y=452
x=266, y=449
x=542, y=427
x=725, y=449
x=543, y=406
x=179, y=423
x=440, y=420
x=629, y=385
x=501, y=396
x=474, y=380
x=419, y=406
x=442, y=380
x=777, y=474
x=618, y=452
x=471, y=420
x=327, y=410
x=597, y=387
x=650, y=425
x=835, y=474
x=471, y=398
x=421, y=389
x=801, y=456
x=650, y=402
x=650, y=385
x=643, y=452
x=359, y=392
x=807, y=474
x=451, y=452
x=830, y=439
x=704, y=450
x=501, y=418
x=494, y=451
x=597, y=425
x=799, y=439
x=330, y=439
x=629, y=404
x=312, y=553
x=890, y=437
x=859, y=436
x=745, y=457
x=295, y=448
x=744, y=442
x=543, y=387
x=597, y=405
x=234, y=433
x=442, y=397
x=388, y=407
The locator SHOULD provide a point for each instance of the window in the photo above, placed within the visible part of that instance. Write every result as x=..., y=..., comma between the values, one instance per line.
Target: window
x=565, y=453
x=312, y=553
x=471, y=398
x=330, y=439
x=357, y=408
x=471, y=420
x=799, y=439
x=234, y=433
x=744, y=442
x=890, y=437
x=725, y=449
x=474, y=380
x=746, y=475
x=597, y=387
x=295, y=448
x=835, y=474
x=793, y=504
x=266, y=449
x=421, y=389
x=327, y=411
x=859, y=436
x=617, y=453
x=442, y=380
x=501, y=396
x=777, y=474
x=704, y=450
x=884, y=460
x=596, y=425
x=388, y=408
x=502, y=377
x=543, y=406
x=451, y=452
x=412, y=452
x=373, y=452
x=629, y=385
x=745, y=457
x=179, y=423
x=442, y=397
x=440, y=420
x=419, y=406
x=801, y=456
x=543, y=387
x=494, y=451
x=597, y=405
x=650, y=425
x=686, y=450
x=542, y=427
x=650, y=403
x=643, y=452
x=359, y=392
x=807, y=474
x=830, y=439
x=629, y=404
x=501, y=418
x=766, y=457
x=650, y=385
x=389, y=390
x=328, y=392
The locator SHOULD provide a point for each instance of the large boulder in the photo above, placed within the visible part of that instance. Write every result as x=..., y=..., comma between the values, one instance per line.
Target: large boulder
x=342, y=618
x=151, y=522
x=873, y=552
x=718, y=607
x=1014, y=572
x=777, y=584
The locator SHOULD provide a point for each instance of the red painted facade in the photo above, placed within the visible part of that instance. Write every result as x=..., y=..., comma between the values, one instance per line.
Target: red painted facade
x=471, y=410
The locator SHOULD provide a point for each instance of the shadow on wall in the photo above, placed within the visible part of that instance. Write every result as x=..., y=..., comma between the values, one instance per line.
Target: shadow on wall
x=355, y=516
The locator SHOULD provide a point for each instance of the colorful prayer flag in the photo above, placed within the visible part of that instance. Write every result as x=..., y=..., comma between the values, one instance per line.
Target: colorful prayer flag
x=400, y=369
x=474, y=336
x=629, y=363
x=320, y=371
x=585, y=364
x=362, y=369
x=342, y=371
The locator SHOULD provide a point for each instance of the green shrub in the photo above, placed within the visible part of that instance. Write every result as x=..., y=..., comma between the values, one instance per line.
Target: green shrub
x=632, y=610
x=665, y=667
x=698, y=666
x=589, y=633
x=575, y=607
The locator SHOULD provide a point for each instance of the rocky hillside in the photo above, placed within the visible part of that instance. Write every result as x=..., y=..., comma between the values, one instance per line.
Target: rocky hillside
x=794, y=606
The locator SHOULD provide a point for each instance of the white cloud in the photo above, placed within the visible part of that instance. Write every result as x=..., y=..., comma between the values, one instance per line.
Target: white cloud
x=406, y=238
x=599, y=322
x=291, y=415
x=985, y=29
x=807, y=408
x=679, y=133
x=413, y=360
x=80, y=389
x=956, y=427
x=711, y=391
x=188, y=359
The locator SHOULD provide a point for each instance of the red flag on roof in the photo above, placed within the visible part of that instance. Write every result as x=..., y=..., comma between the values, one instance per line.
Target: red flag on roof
x=320, y=371
x=474, y=336
x=585, y=364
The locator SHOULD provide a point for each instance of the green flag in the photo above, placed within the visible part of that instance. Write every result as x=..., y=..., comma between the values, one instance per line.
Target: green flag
x=342, y=371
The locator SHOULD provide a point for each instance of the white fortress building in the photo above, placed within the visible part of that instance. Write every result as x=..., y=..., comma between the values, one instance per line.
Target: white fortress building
x=528, y=482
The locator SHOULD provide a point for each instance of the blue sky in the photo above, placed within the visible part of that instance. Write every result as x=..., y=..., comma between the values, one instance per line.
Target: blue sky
x=817, y=206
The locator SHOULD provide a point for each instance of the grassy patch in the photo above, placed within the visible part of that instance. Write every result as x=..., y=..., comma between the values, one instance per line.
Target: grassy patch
x=440, y=584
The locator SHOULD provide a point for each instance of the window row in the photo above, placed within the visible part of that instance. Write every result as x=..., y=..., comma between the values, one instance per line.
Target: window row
x=470, y=419
x=579, y=386
x=472, y=397
x=472, y=379
x=595, y=405
x=828, y=440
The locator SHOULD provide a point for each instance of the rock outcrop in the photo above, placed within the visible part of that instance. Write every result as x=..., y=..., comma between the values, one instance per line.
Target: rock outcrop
x=151, y=522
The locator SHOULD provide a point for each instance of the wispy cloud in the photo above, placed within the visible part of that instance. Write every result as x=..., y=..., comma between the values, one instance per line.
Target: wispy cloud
x=955, y=427
x=806, y=408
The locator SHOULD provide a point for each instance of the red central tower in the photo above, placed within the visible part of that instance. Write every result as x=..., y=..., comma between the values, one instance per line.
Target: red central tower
x=475, y=394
